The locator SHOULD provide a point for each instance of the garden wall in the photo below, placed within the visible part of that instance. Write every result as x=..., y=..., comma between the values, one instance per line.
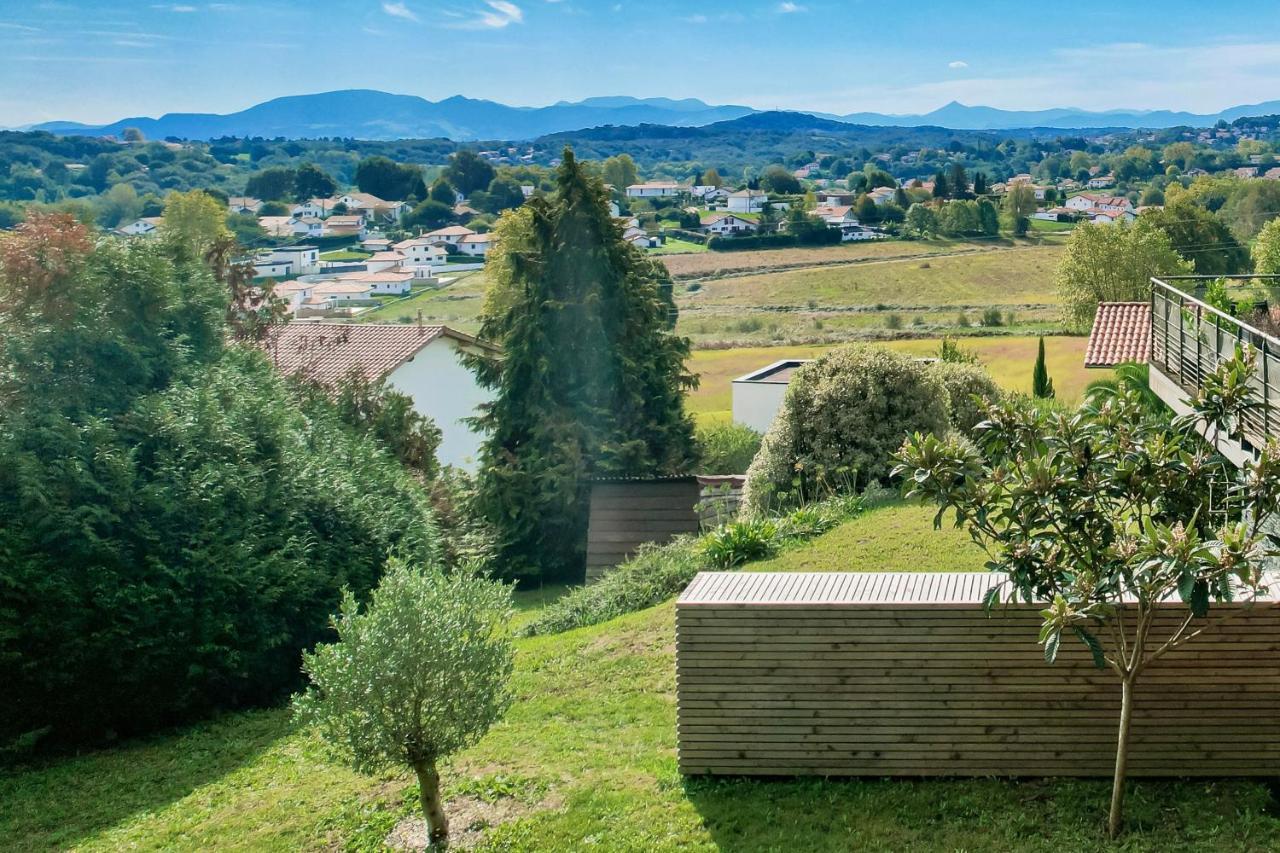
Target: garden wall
x=901, y=674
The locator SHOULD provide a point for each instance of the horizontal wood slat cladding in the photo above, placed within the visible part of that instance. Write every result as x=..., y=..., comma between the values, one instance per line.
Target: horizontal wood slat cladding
x=884, y=674
x=626, y=514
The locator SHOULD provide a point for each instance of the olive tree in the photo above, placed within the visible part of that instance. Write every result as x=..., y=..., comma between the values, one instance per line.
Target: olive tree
x=415, y=676
x=1108, y=514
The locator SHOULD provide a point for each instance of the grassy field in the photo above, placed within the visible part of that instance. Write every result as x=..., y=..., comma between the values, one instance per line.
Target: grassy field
x=457, y=305
x=712, y=264
x=585, y=759
x=1010, y=360
x=875, y=299
x=675, y=246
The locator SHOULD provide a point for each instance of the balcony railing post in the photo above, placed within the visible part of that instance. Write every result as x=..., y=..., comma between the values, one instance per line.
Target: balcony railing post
x=1266, y=389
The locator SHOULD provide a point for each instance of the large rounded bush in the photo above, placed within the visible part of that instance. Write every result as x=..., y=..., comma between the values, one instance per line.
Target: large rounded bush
x=969, y=388
x=842, y=418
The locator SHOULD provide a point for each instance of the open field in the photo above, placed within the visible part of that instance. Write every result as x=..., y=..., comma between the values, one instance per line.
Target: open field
x=713, y=264
x=457, y=304
x=586, y=760
x=882, y=298
x=675, y=246
x=1009, y=359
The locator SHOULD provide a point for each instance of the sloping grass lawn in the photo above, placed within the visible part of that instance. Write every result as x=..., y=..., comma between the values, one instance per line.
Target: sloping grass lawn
x=1010, y=360
x=586, y=760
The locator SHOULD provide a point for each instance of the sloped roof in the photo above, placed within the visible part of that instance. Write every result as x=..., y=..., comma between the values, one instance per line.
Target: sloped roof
x=1121, y=333
x=327, y=352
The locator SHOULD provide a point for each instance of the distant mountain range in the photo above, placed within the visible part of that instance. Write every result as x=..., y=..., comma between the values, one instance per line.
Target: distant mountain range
x=370, y=114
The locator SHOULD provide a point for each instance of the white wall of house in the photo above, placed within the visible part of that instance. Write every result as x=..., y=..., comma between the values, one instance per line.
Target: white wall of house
x=444, y=389
x=755, y=404
x=746, y=204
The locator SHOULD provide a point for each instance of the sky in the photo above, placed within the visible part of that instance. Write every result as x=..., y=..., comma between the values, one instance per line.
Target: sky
x=101, y=61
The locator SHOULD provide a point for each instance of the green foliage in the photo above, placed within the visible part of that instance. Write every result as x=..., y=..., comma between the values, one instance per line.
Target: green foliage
x=591, y=380
x=1113, y=263
x=1200, y=237
x=951, y=352
x=653, y=575
x=777, y=179
x=389, y=180
x=921, y=221
x=991, y=317
x=1054, y=499
x=738, y=542
x=387, y=415
x=657, y=572
x=970, y=389
x=176, y=522
x=430, y=214
x=841, y=419
x=1131, y=379
x=1041, y=384
x=310, y=181
x=274, y=184
x=468, y=171
x=419, y=674
x=725, y=447
x=1266, y=249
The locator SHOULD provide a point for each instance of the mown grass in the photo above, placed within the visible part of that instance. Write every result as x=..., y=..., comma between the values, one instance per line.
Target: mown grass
x=1009, y=359
x=586, y=760
x=719, y=263
x=676, y=246
x=457, y=304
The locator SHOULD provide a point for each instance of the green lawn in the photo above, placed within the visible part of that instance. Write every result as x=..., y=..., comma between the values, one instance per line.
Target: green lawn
x=1010, y=360
x=457, y=304
x=676, y=246
x=585, y=760
x=344, y=255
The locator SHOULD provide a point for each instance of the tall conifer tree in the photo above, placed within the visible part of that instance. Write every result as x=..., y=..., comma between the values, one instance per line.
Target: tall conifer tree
x=591, y=379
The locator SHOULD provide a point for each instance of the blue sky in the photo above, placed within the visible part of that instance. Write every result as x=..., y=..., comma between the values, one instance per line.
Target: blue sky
x=100, y=61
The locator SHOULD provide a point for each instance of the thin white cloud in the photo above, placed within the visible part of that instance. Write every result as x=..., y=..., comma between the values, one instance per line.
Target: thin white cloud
x=958, y=64
x=4, y=25
x=787, y=7
x=500, y=14
x=399, y=10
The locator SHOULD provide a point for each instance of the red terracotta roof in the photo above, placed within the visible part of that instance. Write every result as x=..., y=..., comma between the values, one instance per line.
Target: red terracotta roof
x=326, y=352
x=1121, y=333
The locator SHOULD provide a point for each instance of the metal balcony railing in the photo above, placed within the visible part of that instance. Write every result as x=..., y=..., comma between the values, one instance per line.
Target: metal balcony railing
x=1189, y=338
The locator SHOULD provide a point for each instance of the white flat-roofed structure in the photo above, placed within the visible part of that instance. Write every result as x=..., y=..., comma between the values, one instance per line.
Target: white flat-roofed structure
x=757, y=396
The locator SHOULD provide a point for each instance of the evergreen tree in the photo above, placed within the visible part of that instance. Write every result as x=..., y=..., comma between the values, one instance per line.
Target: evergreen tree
x=1041, y=384
x=591, y=380
x=958, y=181
x=940, y=186
x=979, y=183
x=310, y=181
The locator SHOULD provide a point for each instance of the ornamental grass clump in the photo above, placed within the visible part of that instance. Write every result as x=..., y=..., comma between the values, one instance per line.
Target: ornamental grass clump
x=1107, y=515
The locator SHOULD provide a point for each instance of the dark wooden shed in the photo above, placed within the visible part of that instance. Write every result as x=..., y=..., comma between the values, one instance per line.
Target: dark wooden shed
x=625, y=513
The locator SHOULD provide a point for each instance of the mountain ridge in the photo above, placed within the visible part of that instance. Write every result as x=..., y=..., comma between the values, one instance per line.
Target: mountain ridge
x=373, y=114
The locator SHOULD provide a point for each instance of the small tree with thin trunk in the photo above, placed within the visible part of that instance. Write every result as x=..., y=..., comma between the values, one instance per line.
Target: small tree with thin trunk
x=414, y=677
x=1109, y=514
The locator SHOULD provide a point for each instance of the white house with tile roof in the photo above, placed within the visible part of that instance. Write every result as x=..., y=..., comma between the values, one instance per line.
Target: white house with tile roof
x=423, y=362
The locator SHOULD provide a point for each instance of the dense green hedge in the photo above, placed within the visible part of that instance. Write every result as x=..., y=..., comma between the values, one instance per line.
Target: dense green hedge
x=825, y=237
x=176, y=521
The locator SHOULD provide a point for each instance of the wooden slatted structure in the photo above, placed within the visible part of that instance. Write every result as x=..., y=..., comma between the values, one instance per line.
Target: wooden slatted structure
x=625, y=513
x=903, y=674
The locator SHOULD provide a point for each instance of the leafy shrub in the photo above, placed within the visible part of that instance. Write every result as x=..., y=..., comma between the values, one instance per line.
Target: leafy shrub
x=842, y=418
x=740, y=542
x=951, y=352
x=893, y=321
x=653, y=575
x=992, y=317
x=726, y=447
x=969, y=389
x=658, y=572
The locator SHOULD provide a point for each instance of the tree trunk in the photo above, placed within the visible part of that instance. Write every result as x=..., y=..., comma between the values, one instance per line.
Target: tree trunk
x=1122, y=756
x=432, y=809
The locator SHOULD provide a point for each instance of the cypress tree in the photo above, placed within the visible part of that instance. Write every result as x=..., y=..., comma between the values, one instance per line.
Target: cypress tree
x=591, y=379
x=1041, y=384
